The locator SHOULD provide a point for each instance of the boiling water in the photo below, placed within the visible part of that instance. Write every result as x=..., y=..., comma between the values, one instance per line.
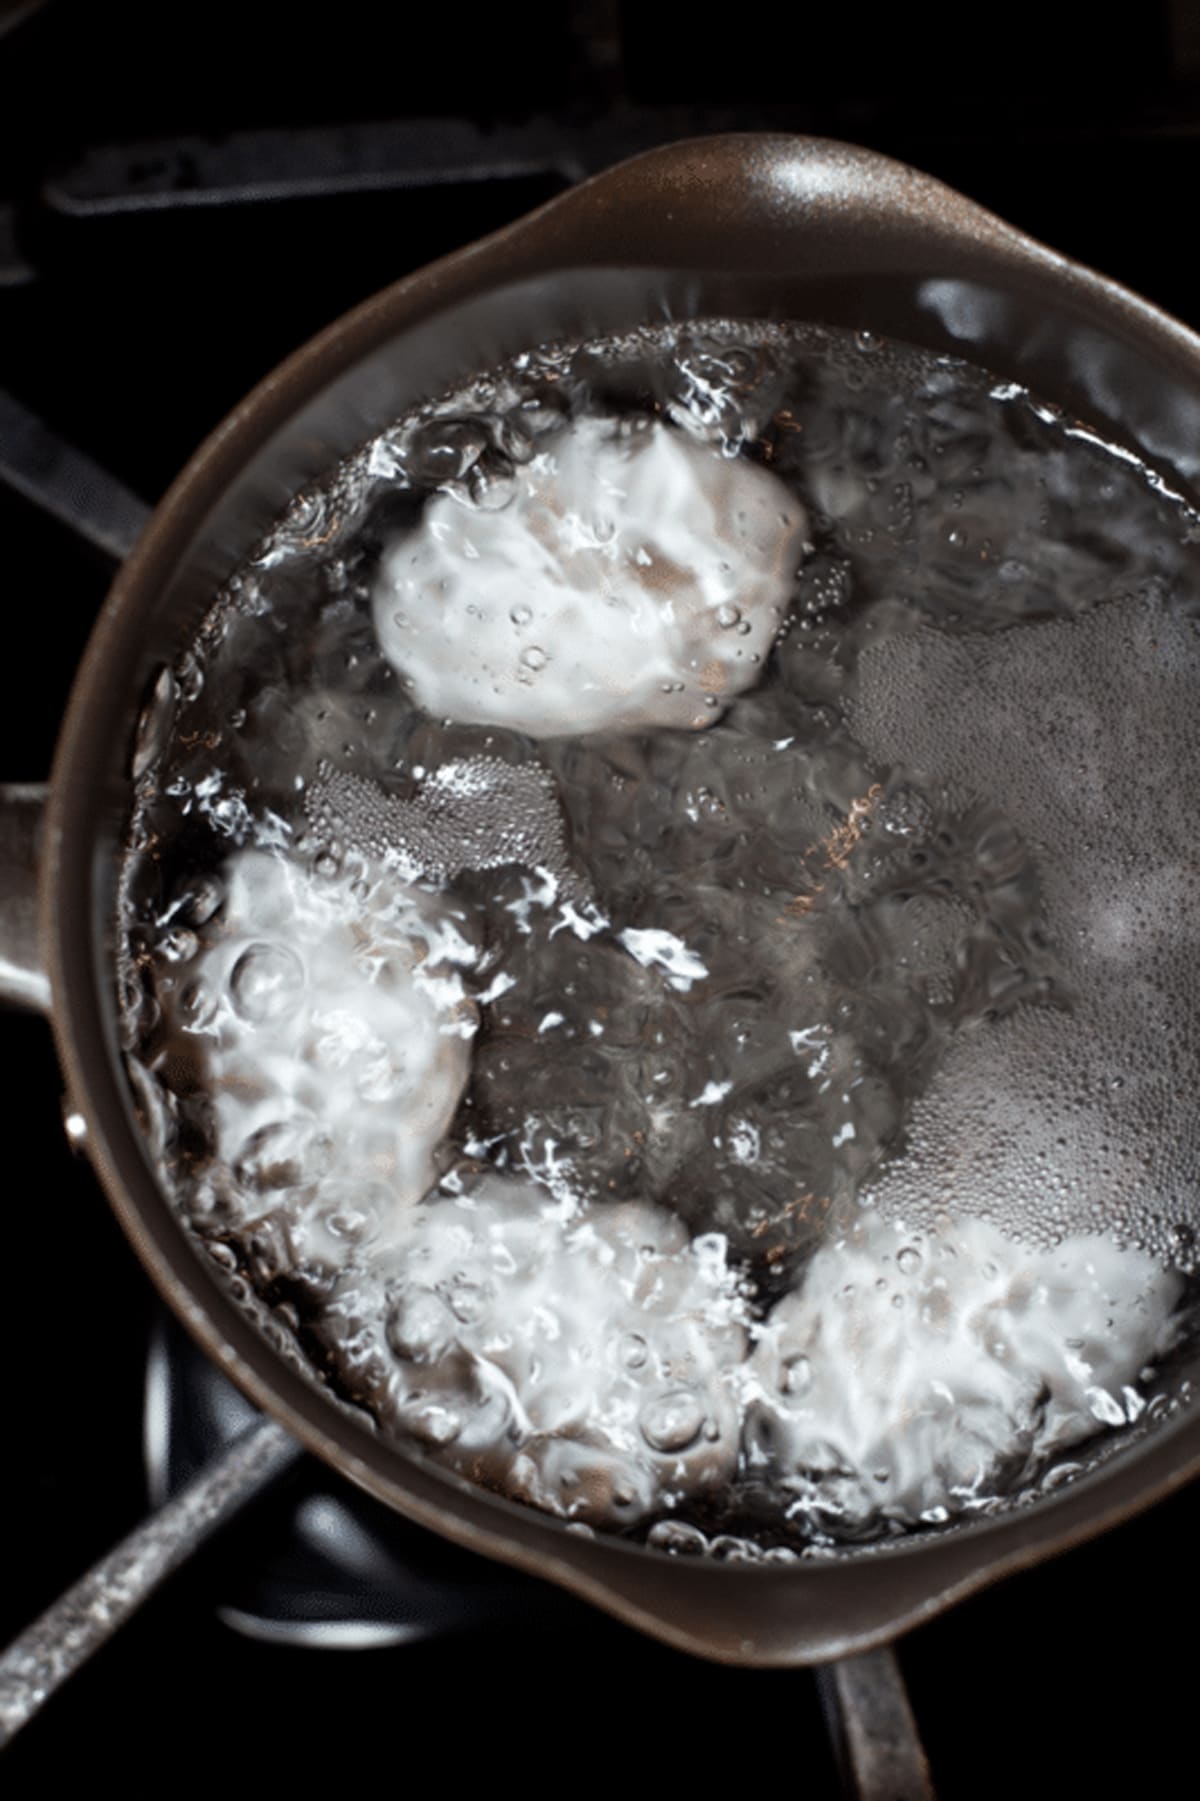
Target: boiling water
x=659, y=935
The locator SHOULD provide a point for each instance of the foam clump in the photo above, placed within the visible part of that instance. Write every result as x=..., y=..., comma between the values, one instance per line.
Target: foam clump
x=333, y=1035
x=635, y=578
x=912, y=1376
x=579, y=1362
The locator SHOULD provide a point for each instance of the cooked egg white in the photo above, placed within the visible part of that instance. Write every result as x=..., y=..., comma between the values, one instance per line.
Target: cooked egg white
x=636, y=578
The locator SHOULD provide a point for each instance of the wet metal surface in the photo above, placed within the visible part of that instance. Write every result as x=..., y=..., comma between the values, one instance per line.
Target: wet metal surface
x=67, y=484
x=77, y=1625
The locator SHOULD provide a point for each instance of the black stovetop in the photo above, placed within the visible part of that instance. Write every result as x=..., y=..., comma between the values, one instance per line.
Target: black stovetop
x=143, y=288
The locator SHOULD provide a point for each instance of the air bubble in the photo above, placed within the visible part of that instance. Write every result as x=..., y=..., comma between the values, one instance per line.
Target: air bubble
x=468, y=1300
x=179, y=945
x=285, y=1154
x=673, y=1421
x=267, y=983
x=155, y=724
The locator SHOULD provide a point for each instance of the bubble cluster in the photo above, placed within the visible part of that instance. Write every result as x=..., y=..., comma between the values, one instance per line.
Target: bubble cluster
x=476, y=813
x=1075, y=1114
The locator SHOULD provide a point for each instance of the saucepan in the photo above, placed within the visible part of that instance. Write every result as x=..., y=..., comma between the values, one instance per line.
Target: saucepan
x=746, y=226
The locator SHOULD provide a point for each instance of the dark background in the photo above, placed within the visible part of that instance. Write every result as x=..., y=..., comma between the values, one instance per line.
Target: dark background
x=130, y=329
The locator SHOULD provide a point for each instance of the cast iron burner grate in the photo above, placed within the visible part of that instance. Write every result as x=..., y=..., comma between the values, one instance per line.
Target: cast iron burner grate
x=331, y=1568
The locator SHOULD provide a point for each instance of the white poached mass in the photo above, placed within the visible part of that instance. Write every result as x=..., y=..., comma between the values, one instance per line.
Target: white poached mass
x=580, y=1362
x=336, y=1043
x=636, y=578
x=597, y=1361
x=908, y=1373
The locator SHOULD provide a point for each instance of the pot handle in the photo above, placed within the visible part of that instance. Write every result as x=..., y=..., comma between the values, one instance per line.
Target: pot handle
x=37, y=1664
x=23, y=979
x=875, y=1737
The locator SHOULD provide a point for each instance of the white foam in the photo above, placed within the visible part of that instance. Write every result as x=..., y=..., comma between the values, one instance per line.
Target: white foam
x=334, y=1035
x=636, y=578
x=915, y=1374
x=579, y=1362
x=650, y=946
